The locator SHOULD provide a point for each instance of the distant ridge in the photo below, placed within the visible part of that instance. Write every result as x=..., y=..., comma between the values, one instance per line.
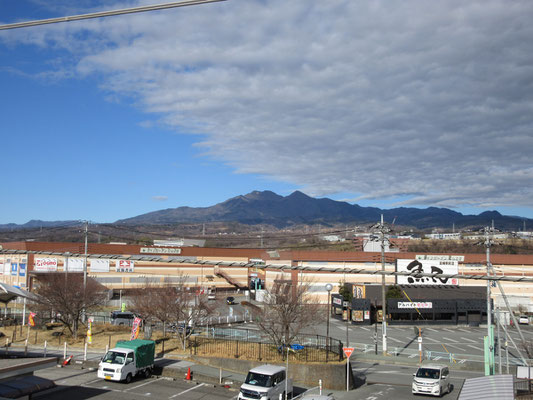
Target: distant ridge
x=267, y=207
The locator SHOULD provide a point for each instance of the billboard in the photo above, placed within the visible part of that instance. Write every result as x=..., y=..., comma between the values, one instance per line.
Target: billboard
x=430, y=267
x=75, y=264
x=99, y=265
x=45, y=265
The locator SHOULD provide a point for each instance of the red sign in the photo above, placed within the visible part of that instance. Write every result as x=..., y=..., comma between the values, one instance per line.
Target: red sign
x=348, y=351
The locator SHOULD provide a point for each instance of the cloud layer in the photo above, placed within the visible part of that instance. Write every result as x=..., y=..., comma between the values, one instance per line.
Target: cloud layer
x=428, y=101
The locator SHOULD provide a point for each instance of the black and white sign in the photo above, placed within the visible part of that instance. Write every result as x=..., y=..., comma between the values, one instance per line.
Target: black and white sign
x=448, y=267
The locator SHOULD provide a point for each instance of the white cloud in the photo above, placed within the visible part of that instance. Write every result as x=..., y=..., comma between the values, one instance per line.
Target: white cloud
x=159, y=198
x=429, y=100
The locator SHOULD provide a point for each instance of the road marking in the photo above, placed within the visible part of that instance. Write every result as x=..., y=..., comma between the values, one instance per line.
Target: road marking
x=433, y=340
x=142, y=384
x=462, y=361
x=413, y=355
x=366, y=329
x=188, y=390
x=449, y=330
x=464, y=330
x=474, y=347
x=396, y=340
x=431, y=329
x=469, y=340
x=451, y=340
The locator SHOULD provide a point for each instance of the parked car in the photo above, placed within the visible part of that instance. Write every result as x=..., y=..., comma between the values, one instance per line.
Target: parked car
x=230, y=300
x=122, y=318
x=432, y=380
x=266, y=382
x=524, y=319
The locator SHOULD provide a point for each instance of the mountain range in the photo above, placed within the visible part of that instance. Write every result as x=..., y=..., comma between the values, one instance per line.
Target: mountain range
x=266, y=207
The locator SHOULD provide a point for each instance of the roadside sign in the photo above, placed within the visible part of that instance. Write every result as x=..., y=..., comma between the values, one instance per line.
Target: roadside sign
x=296, y=347
x=348, y=351
x=420, y=339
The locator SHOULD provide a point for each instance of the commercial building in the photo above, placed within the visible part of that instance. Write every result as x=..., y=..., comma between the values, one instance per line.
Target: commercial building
x=122, y=267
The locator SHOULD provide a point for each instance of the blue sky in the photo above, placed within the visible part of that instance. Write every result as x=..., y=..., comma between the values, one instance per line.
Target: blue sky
x=384, y=104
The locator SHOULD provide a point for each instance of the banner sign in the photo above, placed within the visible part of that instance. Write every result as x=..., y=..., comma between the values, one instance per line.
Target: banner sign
x=31, y=319
x=45, y=264
x=135, y=328
x=7, y=267
x=99, y=265
x=337, y=301
x=90, y=331
x=415, y=304
x=75, y=264
x=22, y=269
x=358, y=291
x=124, y=266
x=14, y=269
x=430, y=267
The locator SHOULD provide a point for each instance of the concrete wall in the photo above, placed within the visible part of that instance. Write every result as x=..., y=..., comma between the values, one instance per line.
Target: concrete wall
x=333, y=375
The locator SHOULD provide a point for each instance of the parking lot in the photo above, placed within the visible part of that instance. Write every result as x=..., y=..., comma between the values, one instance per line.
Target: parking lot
x=83, y=384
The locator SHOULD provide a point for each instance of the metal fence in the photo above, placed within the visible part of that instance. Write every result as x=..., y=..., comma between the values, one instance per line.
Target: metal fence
x=255, y=345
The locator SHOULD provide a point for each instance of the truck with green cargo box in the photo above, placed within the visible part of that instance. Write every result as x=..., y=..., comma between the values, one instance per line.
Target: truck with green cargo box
x=127, y=360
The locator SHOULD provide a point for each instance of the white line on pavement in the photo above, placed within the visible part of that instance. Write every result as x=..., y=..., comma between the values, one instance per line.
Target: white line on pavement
x=433, y=340
x=396, y=340
x=188, y=390
x=431, y=329
x=451, y=340
x=470, y=340
x=474, y=347
x=142, y=384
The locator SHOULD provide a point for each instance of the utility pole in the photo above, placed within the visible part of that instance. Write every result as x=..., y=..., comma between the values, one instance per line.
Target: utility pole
x=85, y=262
x=490, y=332
x=381, y=229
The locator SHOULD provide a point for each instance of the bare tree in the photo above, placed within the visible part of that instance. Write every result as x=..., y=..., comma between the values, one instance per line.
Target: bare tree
x=65, y=296
x=172, y=301
x=288, y=310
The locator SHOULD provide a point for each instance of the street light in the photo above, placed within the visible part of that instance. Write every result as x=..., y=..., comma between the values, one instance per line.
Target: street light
x=329, y=287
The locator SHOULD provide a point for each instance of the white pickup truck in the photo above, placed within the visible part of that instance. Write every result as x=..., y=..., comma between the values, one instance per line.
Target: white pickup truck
x=266, y=382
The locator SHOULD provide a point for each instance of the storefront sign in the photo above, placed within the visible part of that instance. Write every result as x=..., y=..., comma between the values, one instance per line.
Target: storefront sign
x=439, y=257
x=415, y=304
x=124, y=266
x=367, y=315
x=160, y=250
x=14, y=269
x=358, y=291
x=447, y=267
x=45, y=264
x=337, y=301
x=22, y=269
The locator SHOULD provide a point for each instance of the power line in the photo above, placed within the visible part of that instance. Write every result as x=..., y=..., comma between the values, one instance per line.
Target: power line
x=101, y=14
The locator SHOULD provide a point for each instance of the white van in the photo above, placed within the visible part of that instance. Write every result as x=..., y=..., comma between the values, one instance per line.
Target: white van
x=266, y=382
x=432, y=380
